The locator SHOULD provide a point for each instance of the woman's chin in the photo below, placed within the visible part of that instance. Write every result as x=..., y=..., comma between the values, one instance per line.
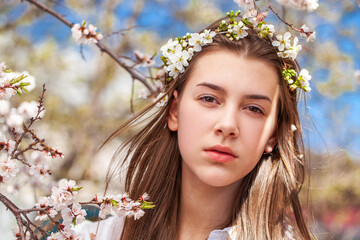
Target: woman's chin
x=218, y=179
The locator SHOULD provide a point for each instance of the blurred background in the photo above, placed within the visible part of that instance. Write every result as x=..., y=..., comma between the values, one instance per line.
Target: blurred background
x=88, y=94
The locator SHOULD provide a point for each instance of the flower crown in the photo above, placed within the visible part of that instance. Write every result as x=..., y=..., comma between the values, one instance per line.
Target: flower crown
x=178, y=52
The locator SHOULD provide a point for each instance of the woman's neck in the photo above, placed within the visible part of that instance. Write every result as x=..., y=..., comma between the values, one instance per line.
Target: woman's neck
x=203, y=208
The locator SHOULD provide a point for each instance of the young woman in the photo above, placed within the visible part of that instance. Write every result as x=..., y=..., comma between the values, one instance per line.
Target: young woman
x=223, y=158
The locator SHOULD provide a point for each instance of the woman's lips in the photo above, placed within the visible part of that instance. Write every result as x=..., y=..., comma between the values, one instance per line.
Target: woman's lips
x=220, y=156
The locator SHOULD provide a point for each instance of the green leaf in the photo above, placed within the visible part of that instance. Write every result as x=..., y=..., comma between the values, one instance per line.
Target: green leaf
x=147, y=205
x=114, y=202
x=24, y=89
x=23, y=84
x=76, y=189
x=17, y=79
x=246, y=22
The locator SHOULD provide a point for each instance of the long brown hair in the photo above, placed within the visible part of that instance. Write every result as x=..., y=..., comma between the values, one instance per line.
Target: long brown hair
x=268, y=195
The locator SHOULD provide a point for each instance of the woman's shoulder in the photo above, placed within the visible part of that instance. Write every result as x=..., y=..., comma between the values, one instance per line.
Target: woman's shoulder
x=110, y=228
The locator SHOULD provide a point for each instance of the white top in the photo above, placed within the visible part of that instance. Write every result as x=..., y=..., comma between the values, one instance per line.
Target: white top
x=111, y=228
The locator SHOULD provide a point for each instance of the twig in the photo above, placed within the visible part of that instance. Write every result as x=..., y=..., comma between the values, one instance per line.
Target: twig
x=120, y=31
x=281, y=19
x=133, y=72
x=14, y=209
x=20, y=221
x=50, y=11
x=32, y=120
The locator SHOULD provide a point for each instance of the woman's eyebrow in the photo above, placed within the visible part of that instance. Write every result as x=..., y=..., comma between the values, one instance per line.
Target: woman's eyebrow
x=257, y=96
x=212, y=86
x=220, y=89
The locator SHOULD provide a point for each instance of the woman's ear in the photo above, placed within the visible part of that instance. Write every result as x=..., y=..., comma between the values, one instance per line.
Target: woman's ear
x=172, y=118
x=270, y=145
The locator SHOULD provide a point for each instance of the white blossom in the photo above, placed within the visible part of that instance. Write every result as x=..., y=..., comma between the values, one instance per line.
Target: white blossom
x=85, y=35
x=64, y=194
x=4, y=107
x=138, y=214
x=207, y=36
x=267, y=29
x=304, y=78
x=6, y=92
x=105, y=210
x=29, y=109
x=169, y=47
x=67, y=216
x=239, y=30
x=306, y=33
x=76, y=32
x=66, y=233
x=17, y=235
x=2, y=69
x=308, y=5
x=145, y=196
x=39, y=170
x=196, y=40
x=78, y=213
x=8, y=144
x=293, y=128
x=245, y=4
x=283, y=41
x=144, y=59
x=29, y=79
x=163, y=101
x=14, y=119
x=43, y=203
x=251, y=16
x=293, y=50
x=8, y=167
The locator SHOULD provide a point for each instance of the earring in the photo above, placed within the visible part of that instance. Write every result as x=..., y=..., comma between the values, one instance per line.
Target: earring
x=268, y=149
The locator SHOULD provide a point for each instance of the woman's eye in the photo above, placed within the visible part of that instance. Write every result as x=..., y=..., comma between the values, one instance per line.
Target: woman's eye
x=208, y=99
x=255, y=109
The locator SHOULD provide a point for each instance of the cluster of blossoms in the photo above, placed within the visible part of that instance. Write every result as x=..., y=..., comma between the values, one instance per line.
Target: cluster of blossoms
x=306, y=33
x=14, y=120
x=178, y=52
x=63, y=200
x=122, y=205
x=8, y=166
x=303, y=5
x=13, y=82
x=85, y=34
x=308, y=5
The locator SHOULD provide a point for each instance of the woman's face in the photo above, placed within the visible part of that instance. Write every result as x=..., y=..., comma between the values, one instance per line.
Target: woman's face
x=225, y=117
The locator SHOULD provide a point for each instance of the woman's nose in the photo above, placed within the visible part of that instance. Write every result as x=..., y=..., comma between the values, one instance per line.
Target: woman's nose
x=227, y=124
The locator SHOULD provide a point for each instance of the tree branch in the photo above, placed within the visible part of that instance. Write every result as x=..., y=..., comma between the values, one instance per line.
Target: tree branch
x=281, y=19
x=133, y=72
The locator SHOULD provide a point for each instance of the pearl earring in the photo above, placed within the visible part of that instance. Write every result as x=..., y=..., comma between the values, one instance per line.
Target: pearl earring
x=268, y=149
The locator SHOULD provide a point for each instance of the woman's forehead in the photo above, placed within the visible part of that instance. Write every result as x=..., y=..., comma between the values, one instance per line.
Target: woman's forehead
x=230, y=71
